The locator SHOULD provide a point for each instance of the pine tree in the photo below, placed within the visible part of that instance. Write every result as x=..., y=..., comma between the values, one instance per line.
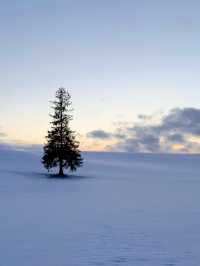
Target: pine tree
x=61, y=149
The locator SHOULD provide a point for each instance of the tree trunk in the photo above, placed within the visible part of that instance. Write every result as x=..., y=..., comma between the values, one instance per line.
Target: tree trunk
x=61, y=140
x=61, y=173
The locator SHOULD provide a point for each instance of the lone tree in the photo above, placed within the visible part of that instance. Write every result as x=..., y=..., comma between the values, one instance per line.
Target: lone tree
x=61, y=149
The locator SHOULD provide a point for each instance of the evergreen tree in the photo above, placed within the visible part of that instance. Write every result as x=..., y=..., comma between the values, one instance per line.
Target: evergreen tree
x=61, y=149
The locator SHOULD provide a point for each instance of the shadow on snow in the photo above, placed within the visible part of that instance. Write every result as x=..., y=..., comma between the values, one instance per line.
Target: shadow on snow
x=47, y=176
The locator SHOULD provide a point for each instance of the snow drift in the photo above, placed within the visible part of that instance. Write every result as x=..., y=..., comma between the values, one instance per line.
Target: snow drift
x=119, y=209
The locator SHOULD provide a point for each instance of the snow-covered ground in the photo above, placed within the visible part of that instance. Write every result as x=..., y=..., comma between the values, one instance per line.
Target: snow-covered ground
x=119, y=209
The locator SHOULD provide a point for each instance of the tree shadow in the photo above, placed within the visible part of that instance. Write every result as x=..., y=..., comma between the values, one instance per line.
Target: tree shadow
x=47, y=176
x=66, y=177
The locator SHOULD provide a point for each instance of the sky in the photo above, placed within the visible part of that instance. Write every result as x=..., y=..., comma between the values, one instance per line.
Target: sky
x=120, y=59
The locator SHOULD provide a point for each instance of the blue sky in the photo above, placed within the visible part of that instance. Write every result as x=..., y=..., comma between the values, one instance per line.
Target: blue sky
x=119, y=59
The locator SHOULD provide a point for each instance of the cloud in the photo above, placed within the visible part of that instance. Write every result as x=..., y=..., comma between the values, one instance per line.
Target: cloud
x=176, y=138
x=176, y=131
x=185, y=120
x=2, y=134
x=99, y=134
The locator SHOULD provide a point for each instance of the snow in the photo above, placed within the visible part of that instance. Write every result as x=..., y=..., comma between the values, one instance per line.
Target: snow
x=119, y=209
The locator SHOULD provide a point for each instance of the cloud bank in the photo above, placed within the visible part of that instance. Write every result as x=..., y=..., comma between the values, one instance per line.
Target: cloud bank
x=2, y=134
x=176, y=131
x=99, y=134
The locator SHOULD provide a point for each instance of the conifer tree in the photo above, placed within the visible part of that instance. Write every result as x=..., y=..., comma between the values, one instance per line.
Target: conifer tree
x=62, y=149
